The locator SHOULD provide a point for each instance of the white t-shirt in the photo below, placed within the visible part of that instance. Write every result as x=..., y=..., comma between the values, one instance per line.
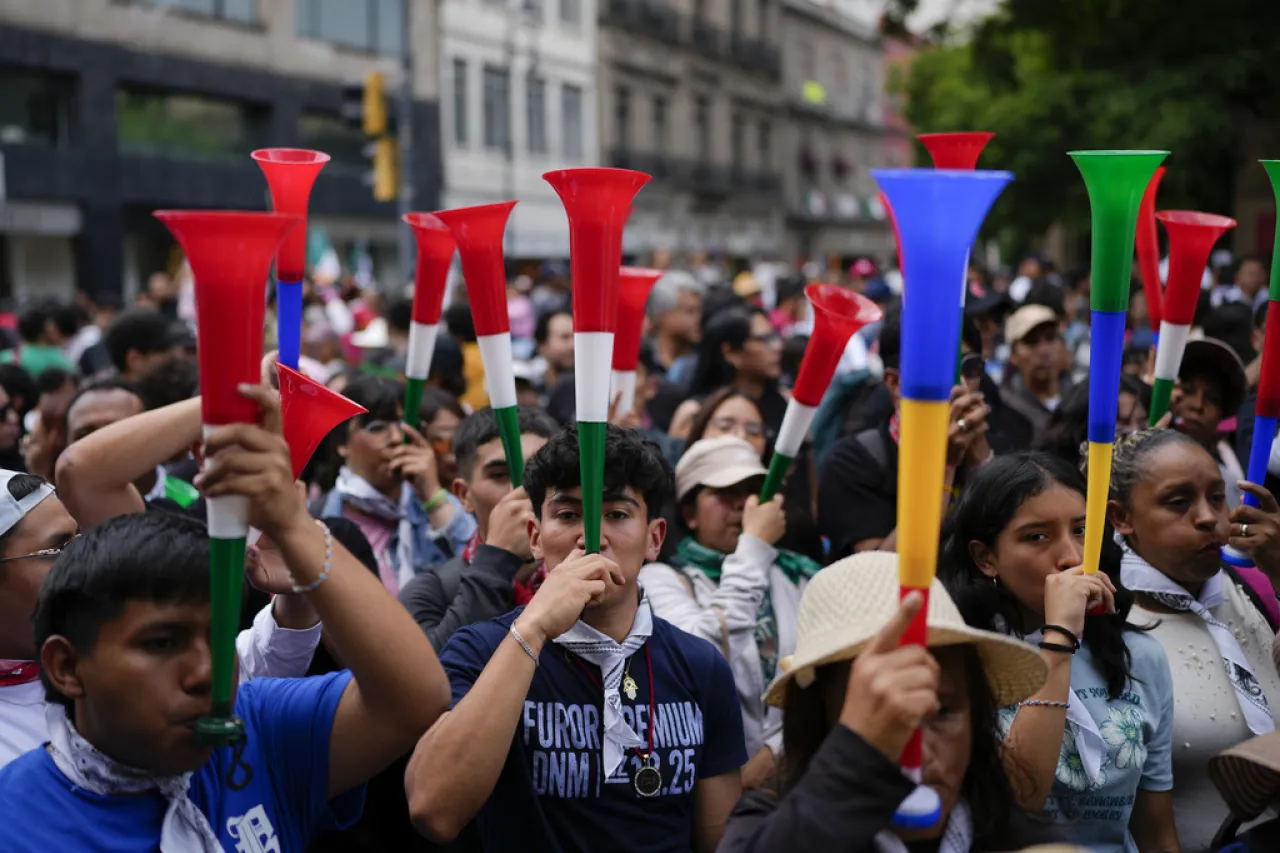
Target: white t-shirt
x=22, y=726
x=1206, y=713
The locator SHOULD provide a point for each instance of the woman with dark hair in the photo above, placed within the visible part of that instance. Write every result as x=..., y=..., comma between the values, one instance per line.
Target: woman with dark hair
x=1100, y=730
x=851, y=698
x=740, y=348
x=1218, y=624
x=1067, y=432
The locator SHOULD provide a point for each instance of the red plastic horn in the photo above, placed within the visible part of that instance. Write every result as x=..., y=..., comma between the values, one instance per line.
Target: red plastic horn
x=598, y=203
x=310, y=411
x=838, y=314
x=478, y=232
x=435, y=255
x=959, y=150
x=1192, y=236
x=1147, y=241
x=634, y=284
x=230, y=254
x=290, y=174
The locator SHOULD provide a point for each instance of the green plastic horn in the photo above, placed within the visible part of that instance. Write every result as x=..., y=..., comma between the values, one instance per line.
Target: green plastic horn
x=1116, y=181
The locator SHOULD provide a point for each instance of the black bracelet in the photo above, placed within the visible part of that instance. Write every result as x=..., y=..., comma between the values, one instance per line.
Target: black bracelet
x=1070, y=635
x=1058, y=647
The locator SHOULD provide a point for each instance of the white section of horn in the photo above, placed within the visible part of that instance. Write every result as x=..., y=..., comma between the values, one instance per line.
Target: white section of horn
x=499, y=369
x=624, y=383
x=795, y=426
x=592, y=366
x=422, y=345
x=1173, y=343
x=228, y=514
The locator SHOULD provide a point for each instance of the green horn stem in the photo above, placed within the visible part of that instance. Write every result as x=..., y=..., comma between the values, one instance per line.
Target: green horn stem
x=226, y=564
x=412, y=402
x=1161, y=394
x=778, y=467
x=509, y=431
x=591, y=438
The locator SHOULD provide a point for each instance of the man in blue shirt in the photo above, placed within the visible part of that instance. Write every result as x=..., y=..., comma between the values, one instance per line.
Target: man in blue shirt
x=582, y=721
x=123, y=625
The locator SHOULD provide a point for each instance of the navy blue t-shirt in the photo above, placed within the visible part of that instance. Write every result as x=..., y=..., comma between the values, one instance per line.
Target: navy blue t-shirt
x=550, y=795
x=285, y=805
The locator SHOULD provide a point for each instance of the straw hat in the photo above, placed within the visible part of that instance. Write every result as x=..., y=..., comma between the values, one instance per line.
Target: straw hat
x=846, y=604
x=1248, y=775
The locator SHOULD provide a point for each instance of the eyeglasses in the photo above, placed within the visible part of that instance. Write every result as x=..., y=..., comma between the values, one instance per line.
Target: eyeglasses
x=766, y=339
x=42, y=554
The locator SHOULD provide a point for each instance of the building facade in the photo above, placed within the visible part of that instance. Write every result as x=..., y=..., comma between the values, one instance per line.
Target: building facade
x=690, y=91
x=520, y=99
x=110, y=109
x=833, y=84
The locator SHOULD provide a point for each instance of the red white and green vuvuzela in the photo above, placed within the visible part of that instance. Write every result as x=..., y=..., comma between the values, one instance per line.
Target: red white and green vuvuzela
x=478, y=232
x=1191, y=238
x=230, y=254
x=634, y=284
x=837, y=314
x=597, y=203
x=431, y=276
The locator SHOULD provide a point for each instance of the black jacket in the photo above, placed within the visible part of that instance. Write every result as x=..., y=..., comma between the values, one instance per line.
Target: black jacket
x=454, y=595
x=846, y=797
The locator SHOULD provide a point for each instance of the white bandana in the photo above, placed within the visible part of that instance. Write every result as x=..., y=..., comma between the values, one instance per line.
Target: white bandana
x=185, y=828
x=957, y=837
x=361, y=495
x=1140, y=576
x=592, y=646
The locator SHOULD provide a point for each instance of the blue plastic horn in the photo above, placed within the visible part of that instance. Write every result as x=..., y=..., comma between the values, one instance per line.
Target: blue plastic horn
x=938, y=214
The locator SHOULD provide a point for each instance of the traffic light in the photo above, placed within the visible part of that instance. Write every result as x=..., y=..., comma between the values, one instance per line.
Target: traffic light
x=385, y=169
x=364, y=106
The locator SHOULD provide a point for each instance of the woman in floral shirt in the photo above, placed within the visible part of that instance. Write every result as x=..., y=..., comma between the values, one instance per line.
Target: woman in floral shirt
x=1092, y=748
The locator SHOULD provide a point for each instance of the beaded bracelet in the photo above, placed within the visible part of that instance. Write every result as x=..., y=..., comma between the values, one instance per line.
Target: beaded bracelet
x=1044, y=703
x=328, y=563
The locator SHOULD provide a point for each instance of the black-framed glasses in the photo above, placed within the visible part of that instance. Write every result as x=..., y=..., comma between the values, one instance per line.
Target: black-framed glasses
x=43, y=553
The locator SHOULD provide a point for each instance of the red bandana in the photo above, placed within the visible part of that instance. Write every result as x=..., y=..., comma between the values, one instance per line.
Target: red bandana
x=469, y=550
x=15, y=672
x=522, y=593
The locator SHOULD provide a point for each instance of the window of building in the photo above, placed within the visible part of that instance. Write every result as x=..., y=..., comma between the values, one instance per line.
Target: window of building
x=571, y=12
x=764, y=146
x=738, y=143
x=240, y=11
x=334, y=135
x=571, y=117
x=376, y=26
x=536, y=113
x=150, y=121
x=735, y=18
x=702, y=127
x=460, y=113
x=36, y=108
x=622, y=117
x=532, y=11
x=659, y=125
x=497, y=108
x=806, y=61
x=762, y=20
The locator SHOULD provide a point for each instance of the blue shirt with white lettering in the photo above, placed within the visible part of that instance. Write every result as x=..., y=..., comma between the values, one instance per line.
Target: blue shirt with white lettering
x=285, y=805
x=551, y=794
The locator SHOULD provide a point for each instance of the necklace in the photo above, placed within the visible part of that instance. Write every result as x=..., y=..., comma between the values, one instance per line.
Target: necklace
x=646, y=778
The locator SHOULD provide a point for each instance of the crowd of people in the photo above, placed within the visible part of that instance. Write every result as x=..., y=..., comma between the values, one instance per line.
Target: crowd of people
x=430, y=660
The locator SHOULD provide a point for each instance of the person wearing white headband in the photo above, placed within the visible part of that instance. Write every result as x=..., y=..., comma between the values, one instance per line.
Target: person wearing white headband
x=851, y=698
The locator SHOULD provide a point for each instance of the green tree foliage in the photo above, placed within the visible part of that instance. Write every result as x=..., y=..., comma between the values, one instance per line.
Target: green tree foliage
x=1049, y=77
